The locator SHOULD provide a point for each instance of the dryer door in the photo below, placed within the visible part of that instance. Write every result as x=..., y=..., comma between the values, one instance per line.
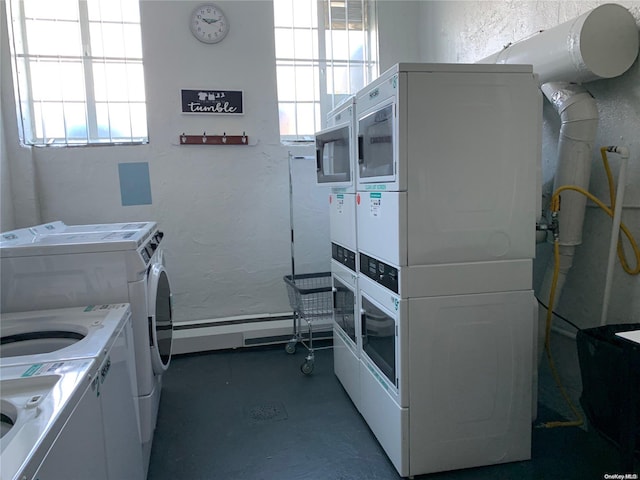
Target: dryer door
x=160, y=317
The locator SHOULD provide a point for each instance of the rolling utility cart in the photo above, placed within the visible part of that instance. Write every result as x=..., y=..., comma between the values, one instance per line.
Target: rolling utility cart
x=310, y=295
x=311, y=298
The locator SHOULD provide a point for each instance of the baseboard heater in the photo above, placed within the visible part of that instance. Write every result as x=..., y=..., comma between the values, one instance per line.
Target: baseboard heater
x=242, y=331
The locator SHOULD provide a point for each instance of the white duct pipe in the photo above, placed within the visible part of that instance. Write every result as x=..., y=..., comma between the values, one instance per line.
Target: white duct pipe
x=579, y=122
x=601, y=43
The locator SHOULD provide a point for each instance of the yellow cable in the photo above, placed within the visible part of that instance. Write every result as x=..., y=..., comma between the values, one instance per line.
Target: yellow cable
x=555, y=207
x=612, y=198
x=547, y=344
x=608, y=211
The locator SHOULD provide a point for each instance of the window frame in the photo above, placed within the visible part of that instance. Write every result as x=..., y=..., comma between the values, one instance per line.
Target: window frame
x=325, y=99
x=26, y=105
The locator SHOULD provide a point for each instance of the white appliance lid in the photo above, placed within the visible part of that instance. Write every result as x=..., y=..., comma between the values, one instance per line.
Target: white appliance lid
x=60, y=227
x=68, y=243
x=78, y=332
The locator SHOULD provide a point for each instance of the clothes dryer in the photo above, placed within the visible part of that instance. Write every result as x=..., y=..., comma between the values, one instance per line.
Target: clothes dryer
x=347, y=338
x=51, y=421
x=446, y=379
x=100, y=333
x=336, y=150
x=336, y=167
x=44, y=271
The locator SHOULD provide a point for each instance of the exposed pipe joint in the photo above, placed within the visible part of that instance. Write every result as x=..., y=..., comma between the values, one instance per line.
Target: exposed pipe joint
x=579, y=122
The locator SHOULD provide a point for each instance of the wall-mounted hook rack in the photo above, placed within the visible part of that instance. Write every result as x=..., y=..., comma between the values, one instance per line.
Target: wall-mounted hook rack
x=206, y=139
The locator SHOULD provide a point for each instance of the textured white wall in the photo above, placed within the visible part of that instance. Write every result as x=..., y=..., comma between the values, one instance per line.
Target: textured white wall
x=224, y=209
x=399, y=26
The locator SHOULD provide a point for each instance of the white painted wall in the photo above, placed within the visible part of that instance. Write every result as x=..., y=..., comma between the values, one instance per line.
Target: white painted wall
x=399, y=27
x=466, y=31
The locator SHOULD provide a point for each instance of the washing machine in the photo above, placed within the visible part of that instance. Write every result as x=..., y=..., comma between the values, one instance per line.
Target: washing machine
x=61, y=227
x=101, y=333
x=51, y=422
x=58, y=270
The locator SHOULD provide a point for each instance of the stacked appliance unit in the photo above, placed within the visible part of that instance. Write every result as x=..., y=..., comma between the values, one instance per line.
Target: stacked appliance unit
x=448, y=158
x=335, y=157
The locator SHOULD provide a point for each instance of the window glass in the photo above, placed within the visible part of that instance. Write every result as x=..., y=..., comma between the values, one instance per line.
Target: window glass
x=61, y=10
x=52, y=80
x=286, y=75
x=45, y=37
x=78, y=71
x=304, y=46
x=306, y=83
x=287, y=113
x=283, y=13
x=324, y=52
x=284, y=43
x=304, y=14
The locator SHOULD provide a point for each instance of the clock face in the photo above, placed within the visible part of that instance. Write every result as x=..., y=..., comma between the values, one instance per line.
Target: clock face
x=209, y=24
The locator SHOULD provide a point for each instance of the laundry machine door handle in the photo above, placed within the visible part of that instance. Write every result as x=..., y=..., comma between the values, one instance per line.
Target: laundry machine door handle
x=363, y=323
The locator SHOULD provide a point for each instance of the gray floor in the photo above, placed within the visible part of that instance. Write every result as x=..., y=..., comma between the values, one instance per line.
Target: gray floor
x=251, y=414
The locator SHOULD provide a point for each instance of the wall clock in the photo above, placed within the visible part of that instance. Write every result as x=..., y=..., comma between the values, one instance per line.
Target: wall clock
x=208, y=23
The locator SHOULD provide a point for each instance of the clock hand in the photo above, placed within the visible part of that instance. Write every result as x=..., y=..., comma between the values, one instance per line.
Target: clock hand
x=210, y=20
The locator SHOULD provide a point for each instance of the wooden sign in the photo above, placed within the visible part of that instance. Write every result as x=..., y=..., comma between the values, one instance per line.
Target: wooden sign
x=217, y=102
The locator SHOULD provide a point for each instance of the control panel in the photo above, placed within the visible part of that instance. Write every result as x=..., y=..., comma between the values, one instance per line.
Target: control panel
x=151, y=246
x=379, y=272
x=343, y=255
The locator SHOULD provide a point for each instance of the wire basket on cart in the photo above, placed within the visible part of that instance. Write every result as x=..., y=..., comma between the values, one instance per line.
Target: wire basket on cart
x=311, y=298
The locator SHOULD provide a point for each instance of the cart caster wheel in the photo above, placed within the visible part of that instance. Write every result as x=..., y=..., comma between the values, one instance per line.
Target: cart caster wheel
x=307, y=367
x=290, y=348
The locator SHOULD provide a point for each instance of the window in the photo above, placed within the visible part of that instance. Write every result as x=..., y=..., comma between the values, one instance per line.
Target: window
x=78, y=71
x=325, y=50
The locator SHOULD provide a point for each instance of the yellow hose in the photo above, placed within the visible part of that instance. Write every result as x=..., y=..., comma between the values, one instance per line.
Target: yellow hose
x=555, y=207
x=547, y=346
x=612, y=199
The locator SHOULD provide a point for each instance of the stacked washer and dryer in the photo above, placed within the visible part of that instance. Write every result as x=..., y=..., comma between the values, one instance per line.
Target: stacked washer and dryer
x=447, y=192
x=55, y=266
x=335, y=166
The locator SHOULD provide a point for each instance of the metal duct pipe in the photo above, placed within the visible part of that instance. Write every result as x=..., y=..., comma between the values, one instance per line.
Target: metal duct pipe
x=602, y=43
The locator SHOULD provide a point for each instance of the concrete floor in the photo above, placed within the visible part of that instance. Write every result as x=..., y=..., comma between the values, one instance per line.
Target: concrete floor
x=250, y=414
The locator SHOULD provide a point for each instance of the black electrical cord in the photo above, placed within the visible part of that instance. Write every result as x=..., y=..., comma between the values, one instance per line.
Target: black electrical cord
x=559, y=316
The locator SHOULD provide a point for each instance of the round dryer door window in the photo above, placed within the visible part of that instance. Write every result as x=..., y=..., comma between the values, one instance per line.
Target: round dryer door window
x=160, y=318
